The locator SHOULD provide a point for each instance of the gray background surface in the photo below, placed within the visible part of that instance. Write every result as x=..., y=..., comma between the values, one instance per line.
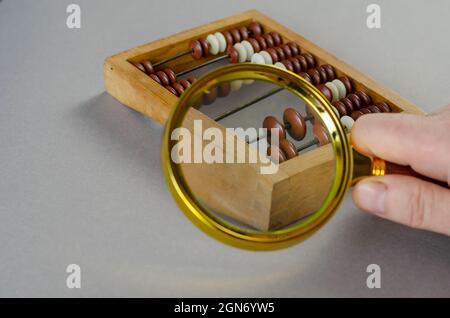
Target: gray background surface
x=80, y=178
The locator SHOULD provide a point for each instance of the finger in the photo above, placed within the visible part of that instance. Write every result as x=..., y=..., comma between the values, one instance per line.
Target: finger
x=406, y=200
x=418, y=141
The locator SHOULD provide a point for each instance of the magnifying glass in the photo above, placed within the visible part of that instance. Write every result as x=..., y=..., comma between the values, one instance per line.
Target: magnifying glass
x=258, y=158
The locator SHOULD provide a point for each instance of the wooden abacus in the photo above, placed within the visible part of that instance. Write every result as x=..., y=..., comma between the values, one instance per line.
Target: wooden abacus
x=146, y=79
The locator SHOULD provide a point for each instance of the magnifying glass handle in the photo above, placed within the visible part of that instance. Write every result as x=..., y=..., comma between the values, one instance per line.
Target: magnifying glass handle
x=381, y=167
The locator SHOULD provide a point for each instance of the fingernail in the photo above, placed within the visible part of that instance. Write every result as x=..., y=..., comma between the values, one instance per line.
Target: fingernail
x=371, y=196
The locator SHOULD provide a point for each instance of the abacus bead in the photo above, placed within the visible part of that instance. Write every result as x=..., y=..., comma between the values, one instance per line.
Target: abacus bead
x=163, y=77
x=277, y=40
x=210, y=97
x=258, y=59
x=280, y=65
x=295, y=122
x=236, y=35
x=315, y=76
x=303, y=63
x=269, y=40
x=374, y=109
x=306, y=76
x=205, y=47
x=248, y=48
x=348, y=105
x=355, y=101
x=334, y=90
x=288, y=65
x=270, y=123
x=222, y=41
x=341, y=108
x=276, y=154
x=254, y=44
x=323, y=74
x=347, y=83
x=384, y=107
x=262, y=43
x=280, y=53
x=341, y=88
x=331, y=75
x=228, y=38
x=140, y=67
x=273, y=54
x=214, y=45
x=148, y=67
x=309, y=59
x=172, y=90
x=325, y=91
x=267, y=57
x=186, y=84
x=224, y=89
x=365, y=99
x=155, y=78
x=335, y=111
x=365, y=111
x=179, y=88
x=171, y=74
x=242, y=52
x=191, y=79
x=347, y=122
x=321, y=134
x=233, y=55
x=255, y=28
x=288, y=148
x=356, y=114
x=244, y=33
x=236, y=85
x=294, y=48
x=296, y=65
x=287, y=51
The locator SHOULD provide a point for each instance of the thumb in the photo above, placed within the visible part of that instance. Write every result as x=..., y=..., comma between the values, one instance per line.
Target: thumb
x=406, y=200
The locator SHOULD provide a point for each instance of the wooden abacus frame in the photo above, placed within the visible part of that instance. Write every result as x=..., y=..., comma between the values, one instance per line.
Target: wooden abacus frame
x=276, y=203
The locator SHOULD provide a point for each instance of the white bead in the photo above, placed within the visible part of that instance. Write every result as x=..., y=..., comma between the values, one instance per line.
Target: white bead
x=236, y=85
x=334, y=91
x=341, y=88
x=280, y=65
x=213, y=44
x=335, y=111
x=222, y=41
x=347, y=122
x=242, y=52
x=258, y=59
x=249, y=48
x=267, y=58
x=249, y=82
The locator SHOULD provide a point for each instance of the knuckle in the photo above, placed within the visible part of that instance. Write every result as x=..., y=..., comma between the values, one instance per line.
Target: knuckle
x=420, y=207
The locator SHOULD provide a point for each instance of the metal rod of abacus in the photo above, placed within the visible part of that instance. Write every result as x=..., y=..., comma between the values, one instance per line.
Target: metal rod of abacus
x=173, y=57
x=310, y=143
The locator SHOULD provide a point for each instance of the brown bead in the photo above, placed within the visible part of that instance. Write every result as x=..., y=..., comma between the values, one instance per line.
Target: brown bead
x=331, y=75
x=288, y=65
x=365, y=111
x=273, y=54
x=163, y=78
x=287, y=50
x=365, y=99
x=233, y=55
x=321, y=134
x=228, y=38
x=155, y=78
x=288, y=149
x=210, y=97
x=341, y=108
x=356, y=114
x=236, y=35
x=325, y=91
x=280, y=53
x=294, y=48
x=323, y=74
x=197, y=51
x=309, y=59
x=384, y=107
x=148, y=67
x=172, y=90
x=254, y=44
x=306, y=77
x=374, y=109
x=294, y=123
x=269, y=40
x=262, y=42
x=271, y=122
x=179, y=88
x=186, y=84
x=255, y=29
x=303, y=63
x=357, y=104
x=315, y=76
x=191, y=79
x=296, y=65
x=276, y=153
x=224, y=89
x=277, y=40
x=140, y=67
x=244, y=33
x=348, y=105
x=205, y=47
x=347, y=83
x=171, y=74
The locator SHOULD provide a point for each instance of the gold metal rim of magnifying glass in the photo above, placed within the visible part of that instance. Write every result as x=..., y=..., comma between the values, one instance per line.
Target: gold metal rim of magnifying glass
x=224, y=231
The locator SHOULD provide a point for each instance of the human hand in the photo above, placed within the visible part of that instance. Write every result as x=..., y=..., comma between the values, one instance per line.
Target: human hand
x=422, y=142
